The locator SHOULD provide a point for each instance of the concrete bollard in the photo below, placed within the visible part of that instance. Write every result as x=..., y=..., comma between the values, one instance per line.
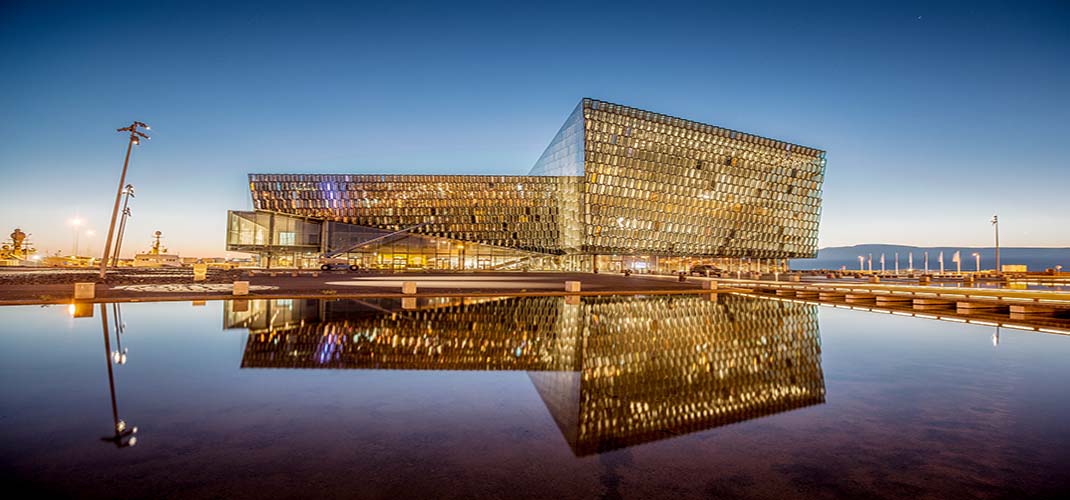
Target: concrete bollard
x=85, y=291
x=200, y=272
x=709, y=285
x=408, y=287
x=241, y=288
x=408, y=303
x=874, y=279
x=794, y=278
x=572, y=286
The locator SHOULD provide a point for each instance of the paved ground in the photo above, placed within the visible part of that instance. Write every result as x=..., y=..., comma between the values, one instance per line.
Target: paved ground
x=24, y=286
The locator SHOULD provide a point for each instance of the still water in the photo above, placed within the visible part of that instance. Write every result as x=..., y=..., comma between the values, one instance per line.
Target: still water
x=604, y=397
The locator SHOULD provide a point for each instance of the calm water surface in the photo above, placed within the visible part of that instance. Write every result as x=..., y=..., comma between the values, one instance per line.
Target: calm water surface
x=527, y=397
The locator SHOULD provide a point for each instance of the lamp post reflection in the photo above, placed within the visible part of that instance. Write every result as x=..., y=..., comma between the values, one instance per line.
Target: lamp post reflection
x=124, y=436
x=118, y=356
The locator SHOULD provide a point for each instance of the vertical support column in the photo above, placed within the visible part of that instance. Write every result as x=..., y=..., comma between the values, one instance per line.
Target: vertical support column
x=325, y=236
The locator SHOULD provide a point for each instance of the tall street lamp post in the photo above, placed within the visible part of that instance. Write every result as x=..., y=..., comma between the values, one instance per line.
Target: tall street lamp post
x=995, y=223
x=135, y=138
x=978, y=257
x=89, y=233
x=127, y=194
x=75, y=222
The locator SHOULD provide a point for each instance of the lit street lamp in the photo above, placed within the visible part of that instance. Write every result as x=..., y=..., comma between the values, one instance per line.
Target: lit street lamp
x=135, y=138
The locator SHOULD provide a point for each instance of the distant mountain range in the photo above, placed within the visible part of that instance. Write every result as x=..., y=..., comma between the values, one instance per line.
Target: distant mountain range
x=1037, y=259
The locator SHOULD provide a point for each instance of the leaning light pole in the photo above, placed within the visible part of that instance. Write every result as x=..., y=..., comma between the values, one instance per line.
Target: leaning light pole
x=127, y=194
x=135, y=138
x=995, y=223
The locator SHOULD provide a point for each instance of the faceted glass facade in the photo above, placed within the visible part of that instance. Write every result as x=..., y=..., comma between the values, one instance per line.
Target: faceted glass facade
x=539, y=214
x=614, y=181
x=668, y=186
x=613, y=371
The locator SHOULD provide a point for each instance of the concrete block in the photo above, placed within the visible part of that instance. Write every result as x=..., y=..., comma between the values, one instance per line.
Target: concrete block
x=925, y=304
x=200, y=272
x=81, y=310
x=408, y=287
x=241, y=288
x=572, y=300
x=408, y=303
x=572, y=286
x=794, y=277
x=931, y=302
x=85, y=291
x=1032, y=309
x=709, y=285
x=239, y=305
x=874, y=279
x=978, y=306
x=894, y=299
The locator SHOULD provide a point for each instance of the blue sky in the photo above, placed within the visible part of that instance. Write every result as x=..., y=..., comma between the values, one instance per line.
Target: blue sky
x=934, y=116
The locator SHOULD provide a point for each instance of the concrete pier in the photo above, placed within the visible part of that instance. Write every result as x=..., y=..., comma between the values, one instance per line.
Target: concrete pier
x=1031, y=309
x=927, y=303
x=894, y=299
x=858, y=297
x=979, y=306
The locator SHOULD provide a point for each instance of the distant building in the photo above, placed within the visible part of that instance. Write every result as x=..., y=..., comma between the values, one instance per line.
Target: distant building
x=617, y=188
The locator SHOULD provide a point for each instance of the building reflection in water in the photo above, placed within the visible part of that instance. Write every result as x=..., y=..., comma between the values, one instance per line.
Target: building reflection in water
x=613, y=371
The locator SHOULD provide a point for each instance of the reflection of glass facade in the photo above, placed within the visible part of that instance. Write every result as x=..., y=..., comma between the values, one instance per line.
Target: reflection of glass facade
x=613, y=371
x=614, y=181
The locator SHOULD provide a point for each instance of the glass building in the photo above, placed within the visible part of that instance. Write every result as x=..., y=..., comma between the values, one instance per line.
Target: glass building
x=617, y=188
